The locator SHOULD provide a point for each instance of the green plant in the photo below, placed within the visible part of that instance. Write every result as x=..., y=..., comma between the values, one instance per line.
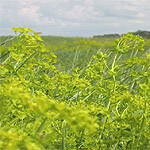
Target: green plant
x=104, y=105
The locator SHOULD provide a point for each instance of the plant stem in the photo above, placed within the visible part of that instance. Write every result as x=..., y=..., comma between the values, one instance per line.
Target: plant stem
x=41, y=126
x=24, y=62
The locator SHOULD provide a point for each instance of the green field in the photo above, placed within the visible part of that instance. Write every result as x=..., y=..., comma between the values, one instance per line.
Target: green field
x=70, y=93
x=74, y=51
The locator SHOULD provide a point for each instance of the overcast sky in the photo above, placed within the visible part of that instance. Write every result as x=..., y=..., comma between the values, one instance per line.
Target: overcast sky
x=75, y=17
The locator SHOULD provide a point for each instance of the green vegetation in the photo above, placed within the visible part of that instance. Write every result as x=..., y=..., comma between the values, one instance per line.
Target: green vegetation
x=94, y=102
x=144, y=34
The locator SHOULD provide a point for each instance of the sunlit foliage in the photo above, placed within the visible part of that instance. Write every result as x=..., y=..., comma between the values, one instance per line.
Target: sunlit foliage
x=104, y=105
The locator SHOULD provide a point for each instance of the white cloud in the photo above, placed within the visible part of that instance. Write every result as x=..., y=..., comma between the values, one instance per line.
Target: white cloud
x=77, y=17
x=136, y=21
x=30, y=13
x=140, y=15
x=80, y=12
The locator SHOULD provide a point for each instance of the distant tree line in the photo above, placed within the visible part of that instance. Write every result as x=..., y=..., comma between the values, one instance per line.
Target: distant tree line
x=144, y=34
x=107, y=36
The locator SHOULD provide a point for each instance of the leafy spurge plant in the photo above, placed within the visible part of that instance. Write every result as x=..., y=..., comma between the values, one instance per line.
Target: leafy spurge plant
x=104, y=105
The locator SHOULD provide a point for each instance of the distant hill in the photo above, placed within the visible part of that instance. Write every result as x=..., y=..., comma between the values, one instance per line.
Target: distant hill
x=144, y=34
x=107, y=36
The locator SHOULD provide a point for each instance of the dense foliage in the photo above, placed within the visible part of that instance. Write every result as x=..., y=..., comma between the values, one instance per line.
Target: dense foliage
x=104, y=105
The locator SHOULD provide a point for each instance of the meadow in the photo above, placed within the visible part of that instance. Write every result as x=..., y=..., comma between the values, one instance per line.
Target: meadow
x=70, y=51
x=72, y=93
x=73, y=51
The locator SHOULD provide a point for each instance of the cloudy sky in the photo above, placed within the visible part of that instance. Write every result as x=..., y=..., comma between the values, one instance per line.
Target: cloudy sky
x=75, y=17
